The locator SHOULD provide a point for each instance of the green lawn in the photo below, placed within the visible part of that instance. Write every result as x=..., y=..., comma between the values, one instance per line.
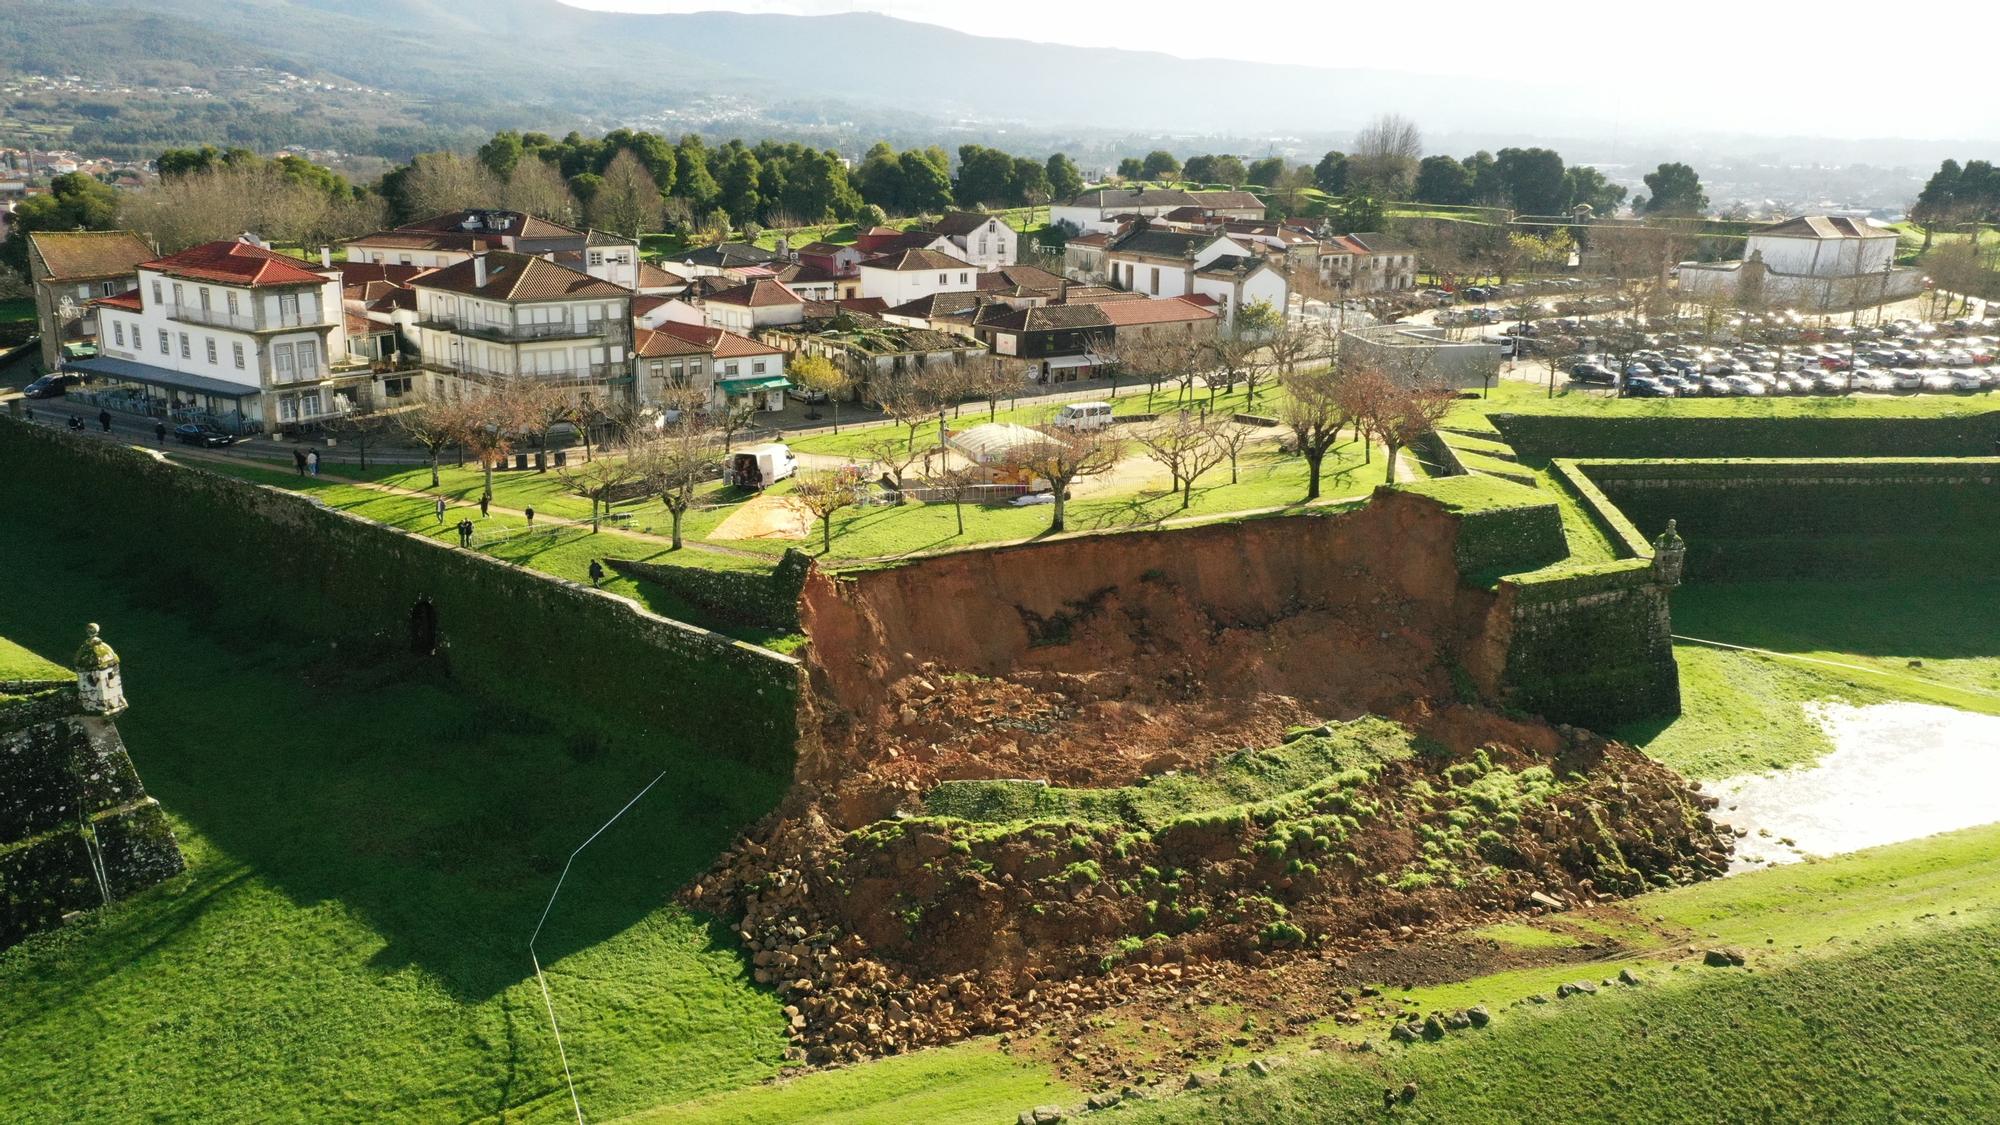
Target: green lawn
x=369, y=848
x=1265, y=479
x=1743, y=712
x=14, y=310
x=17, y=663
x=1522, y=398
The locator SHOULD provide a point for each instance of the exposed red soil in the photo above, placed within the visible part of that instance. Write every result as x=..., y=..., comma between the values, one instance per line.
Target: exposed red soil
x=1095, y=662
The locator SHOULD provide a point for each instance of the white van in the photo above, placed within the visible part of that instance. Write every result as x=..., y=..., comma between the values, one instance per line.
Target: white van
x=760, y=466
x=1084, y=416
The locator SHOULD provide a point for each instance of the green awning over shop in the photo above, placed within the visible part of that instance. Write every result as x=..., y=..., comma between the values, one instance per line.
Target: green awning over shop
x=79, y=351
x=756, y=383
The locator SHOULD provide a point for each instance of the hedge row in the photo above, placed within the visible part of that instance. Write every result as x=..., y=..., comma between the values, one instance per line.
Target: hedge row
x=1569, y=435
x=737, y=597
x=285, y=565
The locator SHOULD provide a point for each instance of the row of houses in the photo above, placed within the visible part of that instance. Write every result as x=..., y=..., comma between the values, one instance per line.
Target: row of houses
x=241, y=335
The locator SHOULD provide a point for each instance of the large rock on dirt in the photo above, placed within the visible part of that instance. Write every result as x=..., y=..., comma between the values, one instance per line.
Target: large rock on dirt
x=1564, y=991
x=1721, y=958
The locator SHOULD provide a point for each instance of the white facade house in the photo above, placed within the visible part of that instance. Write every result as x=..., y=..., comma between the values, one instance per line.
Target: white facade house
x=984, y=240
x=909, y=274
x=1234, y=281
x=1817, y=263
x=1100, y=208
x=1161, y=263
x=501, y=316
x=728, y=370
x=753, y=305
x=233, y=334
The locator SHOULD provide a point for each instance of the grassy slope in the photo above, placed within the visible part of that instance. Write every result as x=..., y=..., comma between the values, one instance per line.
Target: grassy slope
x=368, y=852
x=14, y=310
x=1870, y=978
x=17, y=663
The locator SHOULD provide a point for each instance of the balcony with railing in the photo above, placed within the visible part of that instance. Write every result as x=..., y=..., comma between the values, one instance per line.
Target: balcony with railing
x=248, y=322
x=513, y=333
x=612, y=372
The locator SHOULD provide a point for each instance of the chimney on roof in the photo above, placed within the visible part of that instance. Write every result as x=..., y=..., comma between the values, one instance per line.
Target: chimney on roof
x=479, y=270
x=1062, y=295
x=326, y=257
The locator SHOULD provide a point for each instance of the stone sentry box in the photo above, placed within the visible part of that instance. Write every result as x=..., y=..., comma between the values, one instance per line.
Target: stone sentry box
x=77, y=830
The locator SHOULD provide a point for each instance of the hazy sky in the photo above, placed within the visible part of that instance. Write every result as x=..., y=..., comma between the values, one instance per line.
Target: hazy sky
x=1827, y=62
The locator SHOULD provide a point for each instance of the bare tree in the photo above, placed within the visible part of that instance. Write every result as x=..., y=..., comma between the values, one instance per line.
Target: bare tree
x=1314, y=412
x=892, y=456
x=674, y=461
x=536, y=187
x=603, y=480
x=956, y=485
x=434, y=426
x=824, y=492
x=734, y=418
x=538, y=409
x=446, y=181
x=1384, y=160
x=1187, y=445
x=628, y=201
x=1232, y=439
x=1061, y=456
x=360, y=431
x=1394, y=412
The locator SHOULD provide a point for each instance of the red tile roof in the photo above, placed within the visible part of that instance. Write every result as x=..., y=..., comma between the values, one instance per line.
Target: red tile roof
x=758, y=295
x=674, y=338
x=359, y=273
x=1124, y=313
x=520, y=277
x=128, y=300
x=80, y=254
x=235, y=263
x=914, y=261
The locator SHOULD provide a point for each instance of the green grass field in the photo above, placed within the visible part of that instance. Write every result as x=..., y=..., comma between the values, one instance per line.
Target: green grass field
x=17, y=663
x=15, y=310
x=368, y=851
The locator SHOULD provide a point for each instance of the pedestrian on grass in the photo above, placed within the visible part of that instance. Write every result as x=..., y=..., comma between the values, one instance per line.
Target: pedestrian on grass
x=530, y=513
x=160, y=432
x=104, y=419
x=465, y=533
x=485, y=499
x=299, y=460
x=596, y=573
x=439, y=508
x=312, y=461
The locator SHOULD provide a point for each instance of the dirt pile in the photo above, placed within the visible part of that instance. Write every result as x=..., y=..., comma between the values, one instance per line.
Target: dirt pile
x=923, y=929
x=1132, y=674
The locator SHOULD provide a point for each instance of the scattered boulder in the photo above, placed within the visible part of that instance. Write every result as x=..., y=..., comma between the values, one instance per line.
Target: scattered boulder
x=1458, y=1021
x=1538, y=998
x=1433, y=1027
x=1409, y=1092
x=1478, y=1015
x=1546, y=902
x=1406, y=1032
x=1564, y=991
x=1105, y=1100
x=1628, y=978
x=1042, y=1115
x=1260, y=1068
x=1721, y=958
x=1195, y=1081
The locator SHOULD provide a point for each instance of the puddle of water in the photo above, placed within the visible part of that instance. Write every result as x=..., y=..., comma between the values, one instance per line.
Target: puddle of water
x=1898, y=771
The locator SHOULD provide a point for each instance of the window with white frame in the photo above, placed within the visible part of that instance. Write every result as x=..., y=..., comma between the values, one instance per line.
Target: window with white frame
x=157, y=299
x=281, y=363
x=597, y=257
x=203, y=294
x=307, y=352
x=187, y=350
x=118, y=332
x=177, y=295
x=230, y=299
x=236, y=352
x=210, y=342
x=166, y=343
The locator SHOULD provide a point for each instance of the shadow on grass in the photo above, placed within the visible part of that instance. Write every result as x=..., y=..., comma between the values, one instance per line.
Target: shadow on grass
x=370, y=780
x=1922, y=618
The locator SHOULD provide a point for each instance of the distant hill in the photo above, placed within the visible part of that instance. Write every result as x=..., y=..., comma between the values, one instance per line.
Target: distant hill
x=524, y=54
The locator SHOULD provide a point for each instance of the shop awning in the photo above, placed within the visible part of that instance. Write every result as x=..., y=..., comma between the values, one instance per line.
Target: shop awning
x=755, y=383
x=106, y=367
x=79, y=351
x=1058, y=362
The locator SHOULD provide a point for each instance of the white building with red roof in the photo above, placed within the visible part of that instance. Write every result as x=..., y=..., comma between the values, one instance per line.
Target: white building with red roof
x=234, y=334
x=726, y=368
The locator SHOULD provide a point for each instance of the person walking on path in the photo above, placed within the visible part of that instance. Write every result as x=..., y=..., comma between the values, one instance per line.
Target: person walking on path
x=312, y=461
x=439, y=508
x=104, y=419
x=485, y=499
x=596, y=573
x=160, y=432
x=299, y=460
x=530, y=513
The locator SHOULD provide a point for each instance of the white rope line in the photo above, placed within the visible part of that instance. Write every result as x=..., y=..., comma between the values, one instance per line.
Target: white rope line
x=547, y=1002
x=1837, y=664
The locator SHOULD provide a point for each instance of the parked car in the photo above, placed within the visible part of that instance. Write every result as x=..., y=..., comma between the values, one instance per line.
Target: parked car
x=1084, y=416
x=1593, y=373
x=206, y=436
x=1646, y=386
x=51, y=385
x=1745, y=385
x=806, y=395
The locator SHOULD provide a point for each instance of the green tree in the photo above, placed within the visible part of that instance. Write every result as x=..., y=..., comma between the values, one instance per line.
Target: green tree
x=1265, y=172
x=1160, y=165
x=692, y=180
x=879, y=179
x=1064, y=178
x=1586, y=187
x=1029, y=182
x=1676, y=190
x=738, y=181
x=74, y=201
x=502, y=153
x=1131, y=168
x=926, y=186
x=1330, y=174
x=985, y=176
x=1442, y=179
x=1531, y=180
x=1485, y=173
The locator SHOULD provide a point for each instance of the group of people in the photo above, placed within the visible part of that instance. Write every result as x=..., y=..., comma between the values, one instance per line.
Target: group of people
x=306, y=461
